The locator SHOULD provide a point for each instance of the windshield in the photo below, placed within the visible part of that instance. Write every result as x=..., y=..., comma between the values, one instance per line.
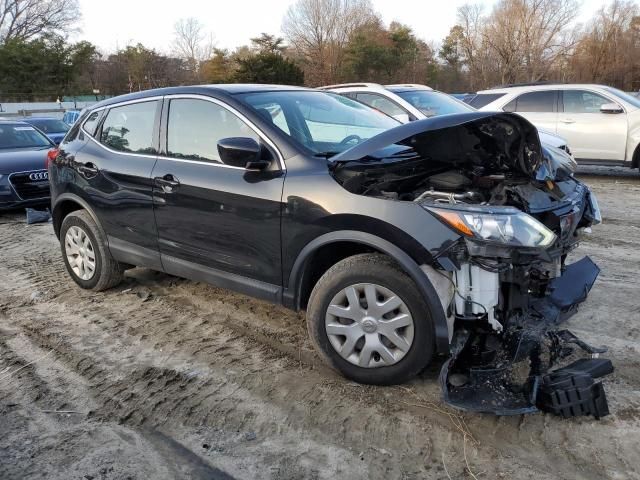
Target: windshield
x=323, y=122
x=21, y=136
x=49, y=125
x=433, y=103
x=635, y=101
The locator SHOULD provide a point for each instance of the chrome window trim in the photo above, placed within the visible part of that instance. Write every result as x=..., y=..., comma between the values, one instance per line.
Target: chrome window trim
x=605, y=94
x=115, y=105
x=128, y=102
x=249, y=123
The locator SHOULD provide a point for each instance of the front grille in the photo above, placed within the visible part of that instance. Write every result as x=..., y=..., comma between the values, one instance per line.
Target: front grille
x=29, y=189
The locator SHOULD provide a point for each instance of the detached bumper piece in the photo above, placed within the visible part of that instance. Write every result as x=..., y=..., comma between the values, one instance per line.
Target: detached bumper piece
x=511, y=373
x=571, y=391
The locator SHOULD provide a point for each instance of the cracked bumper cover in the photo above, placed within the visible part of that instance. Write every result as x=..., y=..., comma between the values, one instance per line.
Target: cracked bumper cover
x=513, y=374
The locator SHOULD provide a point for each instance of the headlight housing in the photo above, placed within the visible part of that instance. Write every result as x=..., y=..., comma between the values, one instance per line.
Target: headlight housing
x=502, y=225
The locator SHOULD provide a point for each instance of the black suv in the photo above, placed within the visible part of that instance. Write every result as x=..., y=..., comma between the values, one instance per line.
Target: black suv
x=446, y=235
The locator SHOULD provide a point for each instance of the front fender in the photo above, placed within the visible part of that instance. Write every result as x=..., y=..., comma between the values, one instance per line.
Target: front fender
x=633, y=138
x=407, y=263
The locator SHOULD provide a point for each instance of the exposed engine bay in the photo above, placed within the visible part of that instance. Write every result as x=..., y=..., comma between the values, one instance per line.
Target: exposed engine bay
x=519, y=212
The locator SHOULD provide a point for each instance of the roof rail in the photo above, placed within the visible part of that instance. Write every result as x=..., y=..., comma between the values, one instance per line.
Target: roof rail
x=526, y=84
x=341, y=85
x=409, y=85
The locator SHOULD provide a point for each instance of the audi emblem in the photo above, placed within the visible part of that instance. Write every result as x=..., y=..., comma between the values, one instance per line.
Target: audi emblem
x=38, y=176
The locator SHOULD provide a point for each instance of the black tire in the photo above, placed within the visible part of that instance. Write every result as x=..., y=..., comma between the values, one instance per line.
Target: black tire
x=381, y=270
x=108, y=272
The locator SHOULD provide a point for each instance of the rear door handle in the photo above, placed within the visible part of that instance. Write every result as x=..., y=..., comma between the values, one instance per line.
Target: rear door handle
x=88, y=170
x=168, y=183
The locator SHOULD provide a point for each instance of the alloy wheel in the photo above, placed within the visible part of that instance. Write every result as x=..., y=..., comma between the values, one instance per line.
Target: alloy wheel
x=80, y=253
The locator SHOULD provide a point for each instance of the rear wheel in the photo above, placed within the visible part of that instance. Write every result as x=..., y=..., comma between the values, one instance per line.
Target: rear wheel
x=86, y=255
x=368, y=320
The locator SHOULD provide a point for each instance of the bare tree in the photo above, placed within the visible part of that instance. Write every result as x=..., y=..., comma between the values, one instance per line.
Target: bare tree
x=319, y=30
x=26, y=19
x=609, y=50
x=191, y=42
x=521, y=40
x=546, y=33
x=473, y=46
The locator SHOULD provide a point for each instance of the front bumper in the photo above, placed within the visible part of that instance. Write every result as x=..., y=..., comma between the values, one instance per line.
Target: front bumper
x=511, y=372
x=10, y=199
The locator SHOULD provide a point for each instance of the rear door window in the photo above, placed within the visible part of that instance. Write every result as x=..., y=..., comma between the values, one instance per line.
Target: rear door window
x=482, y=99
x=543, y=101
x=130, y=128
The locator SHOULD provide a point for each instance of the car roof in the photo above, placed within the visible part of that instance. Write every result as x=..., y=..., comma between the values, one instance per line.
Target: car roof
x=219, y=89
x=536, y=87
x=6, y=121
x=407, y=87
x=340, y=86
x=38, y=118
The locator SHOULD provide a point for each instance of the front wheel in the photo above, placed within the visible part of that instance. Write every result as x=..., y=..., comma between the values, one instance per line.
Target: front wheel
x=368, y=321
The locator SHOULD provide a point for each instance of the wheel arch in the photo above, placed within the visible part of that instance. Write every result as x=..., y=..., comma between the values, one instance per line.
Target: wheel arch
x=635, y=160
x=303, y=277
x=64, y=205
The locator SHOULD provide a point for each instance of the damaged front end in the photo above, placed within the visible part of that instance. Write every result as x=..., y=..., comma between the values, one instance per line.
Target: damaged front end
x=519, y=212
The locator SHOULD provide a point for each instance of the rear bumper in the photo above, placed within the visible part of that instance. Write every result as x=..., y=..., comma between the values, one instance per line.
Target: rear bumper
x=505, y=373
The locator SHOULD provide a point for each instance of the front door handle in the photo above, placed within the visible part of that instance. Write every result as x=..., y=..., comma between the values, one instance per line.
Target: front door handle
x=88, y=170
x=568, y=120
x=168, y=183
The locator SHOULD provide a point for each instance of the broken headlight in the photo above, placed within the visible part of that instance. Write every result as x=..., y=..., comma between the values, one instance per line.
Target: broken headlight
x=504, y=225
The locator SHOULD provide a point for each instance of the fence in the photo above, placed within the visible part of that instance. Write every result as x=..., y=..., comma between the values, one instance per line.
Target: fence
x=48, y=109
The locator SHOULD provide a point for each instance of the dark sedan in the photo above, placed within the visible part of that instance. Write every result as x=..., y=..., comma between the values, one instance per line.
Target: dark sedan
x=24, y=181
x=52, y=127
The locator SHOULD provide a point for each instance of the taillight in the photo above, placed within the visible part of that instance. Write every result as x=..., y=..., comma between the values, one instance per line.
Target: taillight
x=51, y=156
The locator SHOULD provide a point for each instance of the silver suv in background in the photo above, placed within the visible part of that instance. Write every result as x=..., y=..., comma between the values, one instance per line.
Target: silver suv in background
x=602, y=124
x=409, y=102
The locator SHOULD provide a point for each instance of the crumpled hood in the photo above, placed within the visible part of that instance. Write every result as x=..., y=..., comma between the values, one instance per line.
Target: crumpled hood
x=21, y=160
x=495, y=142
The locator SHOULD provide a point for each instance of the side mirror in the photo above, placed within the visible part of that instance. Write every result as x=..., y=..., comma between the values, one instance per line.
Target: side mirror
x=610, y=108
x=242, y=152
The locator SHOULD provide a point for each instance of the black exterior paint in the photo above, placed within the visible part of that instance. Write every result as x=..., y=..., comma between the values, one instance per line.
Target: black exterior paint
x=252, y=231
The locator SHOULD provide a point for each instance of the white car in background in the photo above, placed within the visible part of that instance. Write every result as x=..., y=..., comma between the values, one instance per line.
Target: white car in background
x=602, y=124
x=408, y=102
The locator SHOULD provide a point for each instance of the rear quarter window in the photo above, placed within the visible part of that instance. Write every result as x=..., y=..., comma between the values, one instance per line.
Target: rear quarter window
x=483, y=99
x=542, y=101
x=90, y=125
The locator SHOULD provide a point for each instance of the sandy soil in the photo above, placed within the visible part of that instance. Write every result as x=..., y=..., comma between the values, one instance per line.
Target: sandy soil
x=165, y=378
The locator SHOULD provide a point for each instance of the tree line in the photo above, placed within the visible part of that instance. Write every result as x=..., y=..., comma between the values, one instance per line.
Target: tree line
x=326, y=42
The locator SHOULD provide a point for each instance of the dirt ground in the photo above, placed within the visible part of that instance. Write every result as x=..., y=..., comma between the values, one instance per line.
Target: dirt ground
x=163, y=378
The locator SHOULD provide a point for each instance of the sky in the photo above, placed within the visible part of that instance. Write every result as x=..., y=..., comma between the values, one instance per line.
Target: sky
x=117, y=23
